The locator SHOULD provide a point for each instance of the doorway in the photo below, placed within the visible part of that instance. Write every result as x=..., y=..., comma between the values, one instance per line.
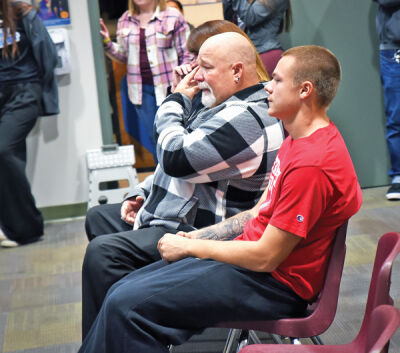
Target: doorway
x=110, y=12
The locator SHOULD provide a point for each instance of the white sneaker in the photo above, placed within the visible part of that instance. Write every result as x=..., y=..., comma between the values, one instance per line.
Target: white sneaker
x=2, y=235
x=393, y=194
x=7, y=243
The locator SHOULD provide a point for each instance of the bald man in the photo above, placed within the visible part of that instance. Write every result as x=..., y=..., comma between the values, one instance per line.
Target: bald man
x=224, y=69
x=278, y=260
x=212, y=165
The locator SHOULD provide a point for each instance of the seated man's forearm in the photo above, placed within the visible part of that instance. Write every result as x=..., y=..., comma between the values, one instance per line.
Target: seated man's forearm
x=226, y=230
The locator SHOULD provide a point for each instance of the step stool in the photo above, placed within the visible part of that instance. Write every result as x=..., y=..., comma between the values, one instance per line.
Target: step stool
x=109, y=167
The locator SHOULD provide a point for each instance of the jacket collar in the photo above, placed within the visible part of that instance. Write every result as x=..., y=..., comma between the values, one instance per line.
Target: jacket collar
x=251, y=93
x=156, y=15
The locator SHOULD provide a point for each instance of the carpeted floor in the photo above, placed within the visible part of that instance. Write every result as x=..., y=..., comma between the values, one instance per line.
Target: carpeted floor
x=40, y=286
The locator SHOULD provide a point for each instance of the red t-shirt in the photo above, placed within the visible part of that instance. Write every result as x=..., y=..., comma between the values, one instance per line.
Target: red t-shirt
x=312, y=190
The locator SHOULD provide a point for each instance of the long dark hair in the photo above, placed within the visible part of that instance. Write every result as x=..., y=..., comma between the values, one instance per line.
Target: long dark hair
x=10, y=12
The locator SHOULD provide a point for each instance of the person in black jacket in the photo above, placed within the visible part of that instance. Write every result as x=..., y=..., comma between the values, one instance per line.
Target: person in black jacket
x=388, y=28
x=27, y=90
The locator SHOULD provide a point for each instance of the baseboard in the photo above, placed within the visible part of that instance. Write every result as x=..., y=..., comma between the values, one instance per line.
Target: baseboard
x=64, y=211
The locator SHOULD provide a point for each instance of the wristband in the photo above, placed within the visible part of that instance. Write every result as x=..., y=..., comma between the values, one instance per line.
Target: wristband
x=106, y=40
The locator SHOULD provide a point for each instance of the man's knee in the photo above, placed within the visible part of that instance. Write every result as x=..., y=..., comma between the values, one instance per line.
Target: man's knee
x=120, y=301
x=104, y=219
x=92, y=218
x=95, y=259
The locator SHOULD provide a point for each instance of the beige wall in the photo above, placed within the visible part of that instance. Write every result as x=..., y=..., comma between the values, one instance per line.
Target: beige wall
x=197, y=14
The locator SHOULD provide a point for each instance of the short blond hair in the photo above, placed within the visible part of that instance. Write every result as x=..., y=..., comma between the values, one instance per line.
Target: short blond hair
x=318, y=65
x=134, y=9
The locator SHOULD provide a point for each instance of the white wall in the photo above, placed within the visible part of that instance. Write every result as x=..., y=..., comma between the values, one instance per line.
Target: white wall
x=57, y=145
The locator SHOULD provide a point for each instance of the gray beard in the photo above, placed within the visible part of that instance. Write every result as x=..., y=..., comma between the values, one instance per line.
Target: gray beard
x=207, y=99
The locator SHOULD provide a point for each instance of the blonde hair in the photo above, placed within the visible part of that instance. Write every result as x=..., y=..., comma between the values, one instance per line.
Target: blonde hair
x=134, y=9
x=208, y=29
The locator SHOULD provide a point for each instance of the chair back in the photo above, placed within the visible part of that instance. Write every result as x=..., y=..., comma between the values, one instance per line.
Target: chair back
x=379, y=289
x=322, y=311
x=382, y=324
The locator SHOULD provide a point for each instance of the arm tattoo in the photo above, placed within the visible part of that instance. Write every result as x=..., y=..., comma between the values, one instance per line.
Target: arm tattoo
x=226, y=230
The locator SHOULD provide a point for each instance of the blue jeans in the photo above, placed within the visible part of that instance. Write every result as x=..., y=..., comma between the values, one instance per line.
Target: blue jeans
x=390, y=75
x=139, y=119
x=146, y=113
x=164, y=304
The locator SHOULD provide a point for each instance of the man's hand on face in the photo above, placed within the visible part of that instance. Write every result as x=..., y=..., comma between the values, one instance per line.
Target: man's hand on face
x=180, y=72
x=188, y=86
x=130, y=208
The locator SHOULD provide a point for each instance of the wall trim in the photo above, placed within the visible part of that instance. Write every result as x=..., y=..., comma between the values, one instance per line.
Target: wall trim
x=53, y=213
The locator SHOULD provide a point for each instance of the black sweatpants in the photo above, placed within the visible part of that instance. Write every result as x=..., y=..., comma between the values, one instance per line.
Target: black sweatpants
x=20, y=220
x=163, y=304
x=114, y=251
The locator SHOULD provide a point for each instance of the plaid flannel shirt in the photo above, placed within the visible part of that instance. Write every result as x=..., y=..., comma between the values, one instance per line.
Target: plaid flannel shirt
x=166, y=35
x=212, y=164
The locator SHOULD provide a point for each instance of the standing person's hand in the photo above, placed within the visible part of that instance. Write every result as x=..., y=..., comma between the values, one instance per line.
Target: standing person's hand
x=130, y=208
x=104, y=30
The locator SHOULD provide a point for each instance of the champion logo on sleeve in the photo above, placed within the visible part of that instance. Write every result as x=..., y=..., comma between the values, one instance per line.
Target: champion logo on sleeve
x=300, y=218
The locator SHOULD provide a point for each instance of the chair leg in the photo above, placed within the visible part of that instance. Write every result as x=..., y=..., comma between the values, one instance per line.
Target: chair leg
x=254, y=337
x=317, y=340
x=243, y=340
x=276, y=338
x=232, y=336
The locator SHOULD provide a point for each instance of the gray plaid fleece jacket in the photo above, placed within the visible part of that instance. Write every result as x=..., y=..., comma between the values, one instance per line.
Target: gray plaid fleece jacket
x=212, y=164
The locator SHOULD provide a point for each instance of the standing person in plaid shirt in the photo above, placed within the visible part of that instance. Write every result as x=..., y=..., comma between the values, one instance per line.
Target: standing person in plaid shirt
x=151, y=40
x=213, y=163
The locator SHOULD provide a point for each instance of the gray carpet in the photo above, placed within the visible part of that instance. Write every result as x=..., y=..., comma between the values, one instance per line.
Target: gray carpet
x=40, y=286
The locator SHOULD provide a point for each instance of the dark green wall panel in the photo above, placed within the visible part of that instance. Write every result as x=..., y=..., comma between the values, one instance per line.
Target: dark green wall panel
x=347, y=27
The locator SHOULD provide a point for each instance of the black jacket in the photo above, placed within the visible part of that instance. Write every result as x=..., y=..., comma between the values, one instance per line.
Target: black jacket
x=45, y=54
x=388, y=23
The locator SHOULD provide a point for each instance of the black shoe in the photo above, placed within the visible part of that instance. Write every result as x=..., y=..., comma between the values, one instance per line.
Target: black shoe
x=393, y=193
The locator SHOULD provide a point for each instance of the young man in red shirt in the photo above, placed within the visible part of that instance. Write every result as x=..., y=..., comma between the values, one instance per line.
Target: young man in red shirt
x=277, y=261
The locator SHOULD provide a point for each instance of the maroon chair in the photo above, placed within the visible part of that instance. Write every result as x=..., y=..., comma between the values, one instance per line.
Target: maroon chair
x=379, y=289
x=378, y=295
x=377, y=331
x=320, y=313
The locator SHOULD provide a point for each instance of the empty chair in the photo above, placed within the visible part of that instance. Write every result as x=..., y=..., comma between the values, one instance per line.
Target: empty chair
x=375, y=334
x=378, y=294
